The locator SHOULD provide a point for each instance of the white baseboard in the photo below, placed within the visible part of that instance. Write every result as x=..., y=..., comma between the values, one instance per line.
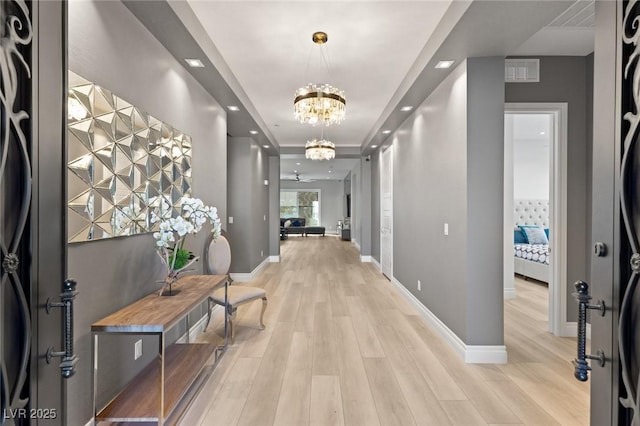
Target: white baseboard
x=244, y=277
x=90, y=423
x=355, y=243
x=472, y=354
x=509, y=293
x=570, y=329
x=376, y=264
x=274, y=259
x=365, y=259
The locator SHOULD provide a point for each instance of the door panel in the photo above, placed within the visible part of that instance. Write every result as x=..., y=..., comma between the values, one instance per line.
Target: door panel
x=628, y=156
x=15, y=196
x=605, y=198
x=386, y=213
x=32, y=231
x=49, y=203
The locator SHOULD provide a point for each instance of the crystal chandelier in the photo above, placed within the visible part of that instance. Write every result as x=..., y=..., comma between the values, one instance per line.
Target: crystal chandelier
x=319, y=150
x=320, y=103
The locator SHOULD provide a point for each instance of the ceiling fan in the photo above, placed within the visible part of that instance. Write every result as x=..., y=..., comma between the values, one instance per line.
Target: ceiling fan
x=297, y=178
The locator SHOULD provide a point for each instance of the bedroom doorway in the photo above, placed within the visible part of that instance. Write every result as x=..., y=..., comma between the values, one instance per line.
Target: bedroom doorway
x=549, y=213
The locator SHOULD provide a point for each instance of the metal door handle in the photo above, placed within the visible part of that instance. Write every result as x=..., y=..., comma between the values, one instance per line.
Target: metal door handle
x=580, y=363
x=69, y=360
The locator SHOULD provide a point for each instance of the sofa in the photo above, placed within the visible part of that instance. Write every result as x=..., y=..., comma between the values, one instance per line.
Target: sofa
x=296, y=226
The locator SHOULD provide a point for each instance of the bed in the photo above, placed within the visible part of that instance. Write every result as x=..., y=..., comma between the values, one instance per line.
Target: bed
x=531, y=258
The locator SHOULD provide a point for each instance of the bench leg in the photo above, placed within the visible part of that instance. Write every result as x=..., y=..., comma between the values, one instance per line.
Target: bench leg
x=264, y=308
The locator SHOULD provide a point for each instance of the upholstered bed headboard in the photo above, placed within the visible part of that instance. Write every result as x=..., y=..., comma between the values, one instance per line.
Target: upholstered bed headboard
x=531, y=212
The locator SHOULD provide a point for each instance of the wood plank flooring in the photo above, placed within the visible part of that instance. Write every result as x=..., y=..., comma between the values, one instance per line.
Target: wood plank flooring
x=343, y=347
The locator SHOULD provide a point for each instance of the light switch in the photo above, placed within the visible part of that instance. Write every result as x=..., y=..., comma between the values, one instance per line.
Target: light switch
x=230, y=219
x=446, y=229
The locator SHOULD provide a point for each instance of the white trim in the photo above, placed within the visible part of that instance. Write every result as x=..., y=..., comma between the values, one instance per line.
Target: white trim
x=355, y=243
x=570, y=329
x=365, y=259
x=557, y=207
x=90, y=422
x=472, y=354
x=274, y=259
x=244, y=277
x=376, y=264
x=509, y=293
x=198, y=327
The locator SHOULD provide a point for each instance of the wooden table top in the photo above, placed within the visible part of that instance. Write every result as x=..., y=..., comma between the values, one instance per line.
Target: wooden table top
x=156, y=314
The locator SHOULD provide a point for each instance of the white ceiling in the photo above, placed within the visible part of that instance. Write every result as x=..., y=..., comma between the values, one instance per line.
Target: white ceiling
x=371, y=47
x=377, y=50
x=336, y=169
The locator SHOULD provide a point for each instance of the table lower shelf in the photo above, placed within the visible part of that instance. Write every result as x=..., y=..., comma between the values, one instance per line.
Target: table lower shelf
x=140, y=400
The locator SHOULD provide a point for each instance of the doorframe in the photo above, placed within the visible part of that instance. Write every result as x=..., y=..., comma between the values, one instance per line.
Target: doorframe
x=557, y=319
x=383, y=152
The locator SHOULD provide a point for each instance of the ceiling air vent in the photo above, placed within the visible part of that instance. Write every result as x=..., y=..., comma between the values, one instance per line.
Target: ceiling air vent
x=522, y=70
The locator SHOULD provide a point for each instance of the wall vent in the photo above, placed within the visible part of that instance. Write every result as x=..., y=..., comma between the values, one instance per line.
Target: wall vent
x=522, y=70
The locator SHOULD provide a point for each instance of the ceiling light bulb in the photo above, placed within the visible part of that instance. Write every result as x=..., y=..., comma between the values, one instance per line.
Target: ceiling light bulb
x=297, y=164
x=253, y=132
x=265, y=146
x=386, y=132
x=406, y=108
x=233, y=108
x=444, y=64
x=374, y=146
x=194, y=63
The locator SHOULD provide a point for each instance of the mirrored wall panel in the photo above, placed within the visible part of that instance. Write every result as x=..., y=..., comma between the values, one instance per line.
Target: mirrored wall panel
x=121, y=161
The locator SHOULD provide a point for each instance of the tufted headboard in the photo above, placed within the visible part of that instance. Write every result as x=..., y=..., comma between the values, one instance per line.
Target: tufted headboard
x=531, y=212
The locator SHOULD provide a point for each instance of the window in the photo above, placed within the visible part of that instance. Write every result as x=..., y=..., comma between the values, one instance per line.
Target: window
x=295, y=203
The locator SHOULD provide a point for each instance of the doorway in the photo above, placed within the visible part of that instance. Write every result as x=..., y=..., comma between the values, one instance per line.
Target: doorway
x=556, y=117
x=386, y=213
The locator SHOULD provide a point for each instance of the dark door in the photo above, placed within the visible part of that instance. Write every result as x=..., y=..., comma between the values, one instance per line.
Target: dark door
x=32, y=225
x=616, y=215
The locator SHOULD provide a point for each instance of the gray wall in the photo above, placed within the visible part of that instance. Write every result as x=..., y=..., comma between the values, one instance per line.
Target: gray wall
x=447, y=168
x=248, y=204
x=108, y=46
x=274, y=206
x=331, y=200
x=375, y=205
x=485, y=200
x=429, y=189
x=569, y=79
x=364, y=208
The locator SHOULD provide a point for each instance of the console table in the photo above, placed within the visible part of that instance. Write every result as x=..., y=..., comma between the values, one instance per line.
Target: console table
x=153, y=395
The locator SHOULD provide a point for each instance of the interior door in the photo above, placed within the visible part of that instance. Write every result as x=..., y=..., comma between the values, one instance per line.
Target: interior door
x=32, y=230
x=610, y=258
x=386, y=213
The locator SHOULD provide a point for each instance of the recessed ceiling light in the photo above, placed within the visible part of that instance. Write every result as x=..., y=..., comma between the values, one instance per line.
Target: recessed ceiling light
x=329, y=171
x=233, y=108
x=406, y=108
x=541, y=133
x=374, y=146
x=297, y=164
x=265, y=146
x=253, y=132
x=194, y=63
x=444, y=64
x=295, y=171
x=386, y=132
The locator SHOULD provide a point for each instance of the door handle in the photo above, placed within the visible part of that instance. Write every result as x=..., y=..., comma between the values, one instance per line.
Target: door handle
x=69, y=359
x=580, y=363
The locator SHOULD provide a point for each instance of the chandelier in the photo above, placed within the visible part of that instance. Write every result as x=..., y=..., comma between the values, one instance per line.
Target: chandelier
x=319, y=150
x=320, y=103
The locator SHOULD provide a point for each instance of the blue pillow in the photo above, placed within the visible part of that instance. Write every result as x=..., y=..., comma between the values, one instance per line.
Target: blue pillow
x=296, y=223
x=519, y=237
x=535, y=234
x=546, y=231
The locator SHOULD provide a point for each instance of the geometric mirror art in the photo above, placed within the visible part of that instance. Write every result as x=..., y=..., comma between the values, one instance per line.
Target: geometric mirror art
x=121, y=163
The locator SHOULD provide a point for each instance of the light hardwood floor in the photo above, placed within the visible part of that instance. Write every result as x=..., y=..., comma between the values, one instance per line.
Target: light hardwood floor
x=343, y=347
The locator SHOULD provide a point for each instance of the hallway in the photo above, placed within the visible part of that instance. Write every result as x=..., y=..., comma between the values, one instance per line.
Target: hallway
x=342, y=346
